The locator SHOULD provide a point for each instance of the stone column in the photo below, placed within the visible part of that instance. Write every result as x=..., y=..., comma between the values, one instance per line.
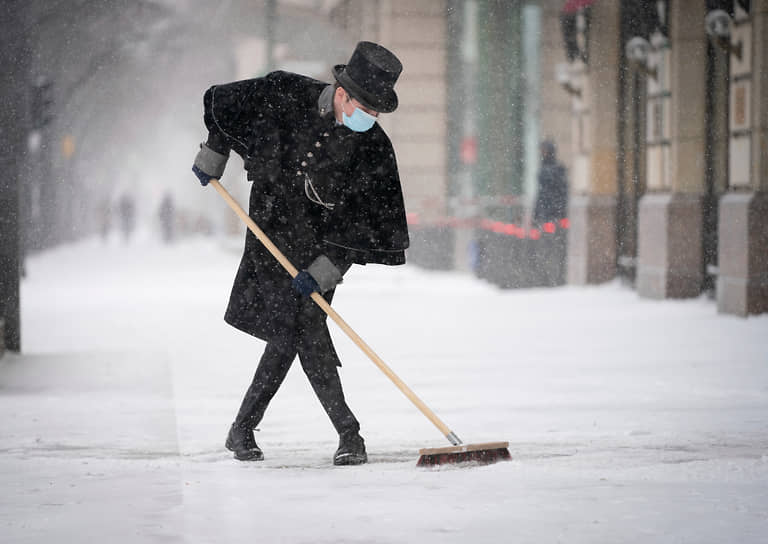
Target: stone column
x=670, y=215
x=592, y=208
x=416, y=32
x=742, y=286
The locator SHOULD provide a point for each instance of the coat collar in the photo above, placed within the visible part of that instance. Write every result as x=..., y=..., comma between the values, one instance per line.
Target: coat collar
x=325, y=102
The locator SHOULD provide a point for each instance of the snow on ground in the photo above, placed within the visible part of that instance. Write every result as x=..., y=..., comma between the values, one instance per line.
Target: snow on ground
x=629, y=420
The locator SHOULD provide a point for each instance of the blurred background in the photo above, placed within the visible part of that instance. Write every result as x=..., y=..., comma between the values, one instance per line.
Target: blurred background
x=539, y=142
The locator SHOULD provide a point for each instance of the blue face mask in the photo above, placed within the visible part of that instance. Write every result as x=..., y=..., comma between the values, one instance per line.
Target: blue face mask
x=359, y=121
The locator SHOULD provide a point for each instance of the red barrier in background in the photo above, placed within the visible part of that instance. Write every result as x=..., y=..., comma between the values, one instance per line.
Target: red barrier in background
x=505, y=254
x=499, y=227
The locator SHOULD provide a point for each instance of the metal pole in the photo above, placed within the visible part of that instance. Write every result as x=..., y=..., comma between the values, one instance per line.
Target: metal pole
x=13, y=130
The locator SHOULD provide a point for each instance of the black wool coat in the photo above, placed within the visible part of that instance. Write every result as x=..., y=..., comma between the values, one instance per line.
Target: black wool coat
x=318, y=188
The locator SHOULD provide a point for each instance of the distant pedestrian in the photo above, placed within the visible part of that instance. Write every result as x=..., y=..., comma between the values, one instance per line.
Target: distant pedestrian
x=127, y=211
x=549, y=257
x=167, y=215
x=552, y=197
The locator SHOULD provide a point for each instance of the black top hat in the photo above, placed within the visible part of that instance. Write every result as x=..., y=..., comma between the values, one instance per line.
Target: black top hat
x=370, y=76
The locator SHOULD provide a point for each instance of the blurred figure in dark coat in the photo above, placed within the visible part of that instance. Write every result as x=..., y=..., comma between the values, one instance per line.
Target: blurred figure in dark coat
x=127, y=211
x=167, y=214
x=549, y=213
x=552, y=198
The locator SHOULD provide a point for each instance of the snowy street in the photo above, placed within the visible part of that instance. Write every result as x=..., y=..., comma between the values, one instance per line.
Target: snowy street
x=113, y=419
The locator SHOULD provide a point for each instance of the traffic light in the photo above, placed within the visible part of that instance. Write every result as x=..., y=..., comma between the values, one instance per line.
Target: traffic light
x=42, y=104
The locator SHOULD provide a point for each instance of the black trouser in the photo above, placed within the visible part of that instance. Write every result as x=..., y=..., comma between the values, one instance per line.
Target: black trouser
x=323, y=375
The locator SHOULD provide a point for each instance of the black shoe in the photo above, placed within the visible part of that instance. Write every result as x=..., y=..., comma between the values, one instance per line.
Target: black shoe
x=351, y=450
x=241, y=441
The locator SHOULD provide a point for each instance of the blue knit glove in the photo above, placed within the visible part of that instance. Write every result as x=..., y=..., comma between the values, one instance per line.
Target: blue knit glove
x=305, y=284
x=204, y=178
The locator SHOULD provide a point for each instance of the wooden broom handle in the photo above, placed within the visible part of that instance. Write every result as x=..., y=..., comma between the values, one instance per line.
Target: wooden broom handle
x=283, y=260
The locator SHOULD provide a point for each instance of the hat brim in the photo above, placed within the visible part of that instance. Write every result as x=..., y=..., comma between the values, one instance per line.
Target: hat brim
x=381, y=104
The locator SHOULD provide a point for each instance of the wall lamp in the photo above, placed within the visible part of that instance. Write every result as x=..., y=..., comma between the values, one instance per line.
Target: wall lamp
x=718, y=24
x=637, y=51
x=563, y=77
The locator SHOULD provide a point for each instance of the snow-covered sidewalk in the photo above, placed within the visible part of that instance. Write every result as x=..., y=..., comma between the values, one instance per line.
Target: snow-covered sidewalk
x=628, y=420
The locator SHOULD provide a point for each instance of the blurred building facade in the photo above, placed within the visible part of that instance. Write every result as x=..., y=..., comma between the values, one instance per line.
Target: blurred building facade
x=659, y=110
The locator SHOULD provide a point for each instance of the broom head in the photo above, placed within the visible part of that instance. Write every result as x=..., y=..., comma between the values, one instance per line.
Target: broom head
x=483, y=454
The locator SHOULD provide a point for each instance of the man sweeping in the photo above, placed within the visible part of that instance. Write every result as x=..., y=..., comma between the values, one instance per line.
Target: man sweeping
x=326, y=190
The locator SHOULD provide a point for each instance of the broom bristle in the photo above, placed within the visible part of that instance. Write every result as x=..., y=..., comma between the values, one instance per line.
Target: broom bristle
x=483, y=454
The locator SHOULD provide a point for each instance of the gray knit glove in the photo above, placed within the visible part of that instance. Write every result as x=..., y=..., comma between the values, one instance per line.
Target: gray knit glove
x=209, y=164
x=325, y=273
